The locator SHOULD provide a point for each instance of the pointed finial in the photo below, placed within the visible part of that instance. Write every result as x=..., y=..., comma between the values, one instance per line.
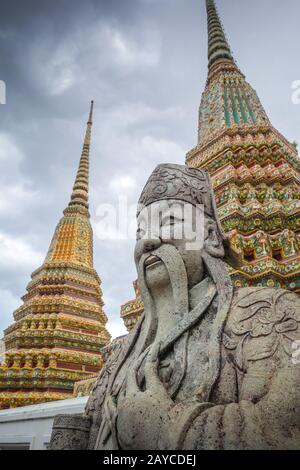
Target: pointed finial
x=218, y=47
x=80, y=196
x=90, y=121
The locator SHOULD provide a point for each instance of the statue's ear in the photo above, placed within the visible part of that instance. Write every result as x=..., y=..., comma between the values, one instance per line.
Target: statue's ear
x=213, y=243
x=219, y=246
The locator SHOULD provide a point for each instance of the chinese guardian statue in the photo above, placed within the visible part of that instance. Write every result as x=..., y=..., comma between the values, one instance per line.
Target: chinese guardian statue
x=207, y=366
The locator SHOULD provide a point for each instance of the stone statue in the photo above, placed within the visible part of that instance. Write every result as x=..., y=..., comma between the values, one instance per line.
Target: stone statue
x=207, y=366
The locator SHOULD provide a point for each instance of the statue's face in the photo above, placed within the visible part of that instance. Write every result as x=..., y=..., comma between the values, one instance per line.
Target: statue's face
x=173, y=223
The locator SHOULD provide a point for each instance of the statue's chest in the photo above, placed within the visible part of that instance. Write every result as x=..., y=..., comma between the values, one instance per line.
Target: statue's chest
x=188, y=360
x=165, y=371
x=197, y=364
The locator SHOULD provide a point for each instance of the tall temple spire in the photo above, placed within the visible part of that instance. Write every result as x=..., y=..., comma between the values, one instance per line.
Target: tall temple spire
x=60, y=329
x=228, y=100
x=80, y=195
x=218, y=47
x=255, y=171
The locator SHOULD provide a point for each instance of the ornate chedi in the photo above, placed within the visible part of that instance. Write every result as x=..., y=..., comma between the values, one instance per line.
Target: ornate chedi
x=255, y=174
x=255, y=171
x=60, y=329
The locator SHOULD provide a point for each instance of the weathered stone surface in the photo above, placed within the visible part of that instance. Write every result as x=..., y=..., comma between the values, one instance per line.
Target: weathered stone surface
x=206, y=367
x=70, y=432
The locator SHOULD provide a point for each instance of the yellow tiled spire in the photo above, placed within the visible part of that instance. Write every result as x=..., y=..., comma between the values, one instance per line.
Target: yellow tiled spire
x=59, y=330
x=80, y=195
x=73, y=237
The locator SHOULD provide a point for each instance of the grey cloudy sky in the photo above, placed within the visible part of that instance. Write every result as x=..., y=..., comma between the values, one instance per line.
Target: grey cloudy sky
x=144, y=63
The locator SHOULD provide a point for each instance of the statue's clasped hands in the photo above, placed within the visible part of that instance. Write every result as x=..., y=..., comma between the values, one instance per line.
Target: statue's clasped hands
x=143, y=416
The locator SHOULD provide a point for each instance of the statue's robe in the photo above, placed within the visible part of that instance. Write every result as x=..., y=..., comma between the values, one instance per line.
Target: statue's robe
x=254, y=403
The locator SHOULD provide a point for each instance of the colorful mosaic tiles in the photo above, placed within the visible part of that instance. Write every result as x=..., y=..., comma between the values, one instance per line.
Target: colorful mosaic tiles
x=255, y=173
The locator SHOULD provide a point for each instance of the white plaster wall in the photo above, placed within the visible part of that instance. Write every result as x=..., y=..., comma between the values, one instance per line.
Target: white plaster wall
x=30, y=427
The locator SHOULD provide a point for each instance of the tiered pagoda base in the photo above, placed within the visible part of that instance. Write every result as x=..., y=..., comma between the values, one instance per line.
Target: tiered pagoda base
x=52, y=345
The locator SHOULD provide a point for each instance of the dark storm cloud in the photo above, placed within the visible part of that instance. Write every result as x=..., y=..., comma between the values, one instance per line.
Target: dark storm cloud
x=144, y=63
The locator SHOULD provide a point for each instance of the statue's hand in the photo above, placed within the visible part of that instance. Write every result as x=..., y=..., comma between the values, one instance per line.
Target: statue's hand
x=143, y=416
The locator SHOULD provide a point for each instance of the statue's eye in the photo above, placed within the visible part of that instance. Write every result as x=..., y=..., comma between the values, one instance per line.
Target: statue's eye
x=170, y=220
x=174, y=220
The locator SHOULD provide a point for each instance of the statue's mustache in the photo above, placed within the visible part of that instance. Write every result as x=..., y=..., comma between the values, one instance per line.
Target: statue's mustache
x=175, y=266
x=162, y=253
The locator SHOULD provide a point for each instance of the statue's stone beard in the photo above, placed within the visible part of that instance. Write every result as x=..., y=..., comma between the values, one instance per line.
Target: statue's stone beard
x=178, y=279
x=173, y=291
x=171, y=272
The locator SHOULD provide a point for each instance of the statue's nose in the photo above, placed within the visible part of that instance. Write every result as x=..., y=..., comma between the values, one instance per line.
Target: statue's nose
x=150, y=245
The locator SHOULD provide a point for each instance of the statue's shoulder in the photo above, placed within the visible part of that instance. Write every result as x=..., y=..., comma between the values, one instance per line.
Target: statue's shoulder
x=100, y=387
x=266, y=317
x=248, y=296
x=261, y=304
